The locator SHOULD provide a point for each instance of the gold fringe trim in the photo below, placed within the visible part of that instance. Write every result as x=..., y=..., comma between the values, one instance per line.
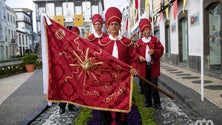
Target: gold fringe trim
x=97, y=108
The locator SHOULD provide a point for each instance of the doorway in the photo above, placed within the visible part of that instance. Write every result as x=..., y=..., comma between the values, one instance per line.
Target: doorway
x=183, y=38
x=212, y=37
x=167, y=39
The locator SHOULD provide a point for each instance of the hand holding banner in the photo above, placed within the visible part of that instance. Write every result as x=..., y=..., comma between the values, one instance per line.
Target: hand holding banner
x=83, y=74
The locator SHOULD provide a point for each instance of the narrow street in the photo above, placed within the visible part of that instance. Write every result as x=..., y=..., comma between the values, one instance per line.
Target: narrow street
x=183, y=36
x=51, y=116
x=178, y=111
x=173, y=112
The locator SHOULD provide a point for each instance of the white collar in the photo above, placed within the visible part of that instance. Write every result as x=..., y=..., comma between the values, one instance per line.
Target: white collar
x=146, y=39
x=118, y=38
x=97, y=35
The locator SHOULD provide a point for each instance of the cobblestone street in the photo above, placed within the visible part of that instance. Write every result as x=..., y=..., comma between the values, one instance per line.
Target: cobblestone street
x=184, y=109
x=174, y=112
x=51, y=116
x=100, y=55
x=171, y=114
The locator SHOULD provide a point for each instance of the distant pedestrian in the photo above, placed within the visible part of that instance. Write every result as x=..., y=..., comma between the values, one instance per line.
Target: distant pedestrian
x=75, y=30
x=149, y=50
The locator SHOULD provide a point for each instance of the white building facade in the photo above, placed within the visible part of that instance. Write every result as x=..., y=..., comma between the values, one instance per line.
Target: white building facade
x=69, y=12
x=11, y=43
x=8, y=46
x=2, y=29
x=24, y=29
x=16, y=31
x=177, y=23
x=182, y=36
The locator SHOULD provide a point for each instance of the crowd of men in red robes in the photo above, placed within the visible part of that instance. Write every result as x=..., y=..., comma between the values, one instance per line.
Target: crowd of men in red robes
x=143, y=56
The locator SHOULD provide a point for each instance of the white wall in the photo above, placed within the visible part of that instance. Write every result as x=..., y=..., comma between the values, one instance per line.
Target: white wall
x=194, y=31
x=194, y=35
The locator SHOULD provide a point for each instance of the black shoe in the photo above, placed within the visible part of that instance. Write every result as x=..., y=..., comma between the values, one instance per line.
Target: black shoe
x=148, y=105
x=72, y=108
x=158, y=107
x=61, y=111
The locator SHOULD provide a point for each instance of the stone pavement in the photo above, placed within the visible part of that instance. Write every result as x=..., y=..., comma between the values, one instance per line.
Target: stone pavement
x=23, y=102
x=172, y=113
x=51, y=116
x=185, y=86
x=169, y=115
x=10, y=84
x=22, y=98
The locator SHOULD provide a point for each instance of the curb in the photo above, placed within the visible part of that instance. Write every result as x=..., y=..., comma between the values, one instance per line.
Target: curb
x=191, y=101
x=178, y=96
x=29, y=119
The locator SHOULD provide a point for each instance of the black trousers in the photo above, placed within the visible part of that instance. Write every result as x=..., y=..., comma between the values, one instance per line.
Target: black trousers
x=63, y=105
x=151, y=94
x=106, y=118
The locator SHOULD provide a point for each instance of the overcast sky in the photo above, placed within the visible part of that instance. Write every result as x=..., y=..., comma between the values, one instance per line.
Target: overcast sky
x=23, y=4
x=114, y=3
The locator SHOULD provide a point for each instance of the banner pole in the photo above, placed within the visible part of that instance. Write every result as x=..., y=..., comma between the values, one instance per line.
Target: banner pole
x=156, y=87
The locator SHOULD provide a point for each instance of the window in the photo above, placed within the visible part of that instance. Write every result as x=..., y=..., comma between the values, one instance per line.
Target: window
x=11, y=18
x=8, y=17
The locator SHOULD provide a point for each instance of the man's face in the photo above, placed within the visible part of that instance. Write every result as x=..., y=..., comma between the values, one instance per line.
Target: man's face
x=114, y=27
x=97, y=26
x=146, y=32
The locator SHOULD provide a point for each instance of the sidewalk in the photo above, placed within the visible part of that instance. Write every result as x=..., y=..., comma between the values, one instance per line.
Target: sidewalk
x=21, y=98
x=185, y=86
x=10, y=84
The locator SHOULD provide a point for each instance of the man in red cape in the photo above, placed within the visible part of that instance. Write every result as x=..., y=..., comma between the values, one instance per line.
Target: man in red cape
x=83, y=74
x=98, y=35
x=149, y=50
x=122, y=49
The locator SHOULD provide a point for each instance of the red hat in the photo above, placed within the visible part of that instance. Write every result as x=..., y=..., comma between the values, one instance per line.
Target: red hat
x=113, y=14
x=75, y=30
x=97, y=18
x=144, y=24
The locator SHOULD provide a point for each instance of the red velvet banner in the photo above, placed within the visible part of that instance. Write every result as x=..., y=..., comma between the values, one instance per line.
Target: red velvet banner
x=83, y=74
